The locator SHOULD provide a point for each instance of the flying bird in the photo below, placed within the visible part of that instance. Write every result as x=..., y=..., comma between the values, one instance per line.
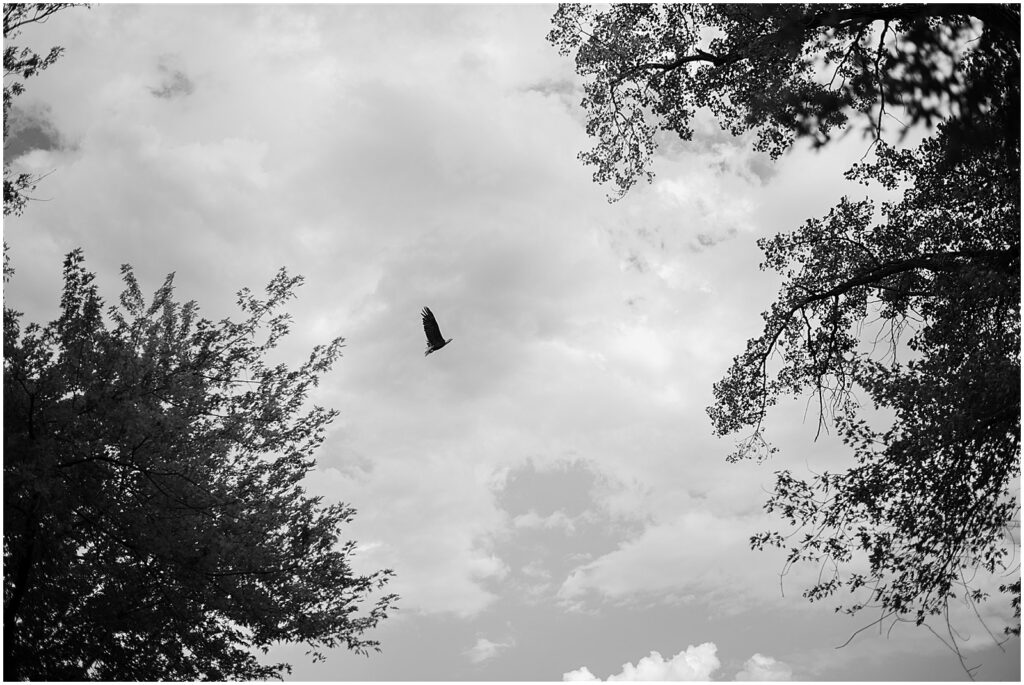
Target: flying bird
x=435, y=340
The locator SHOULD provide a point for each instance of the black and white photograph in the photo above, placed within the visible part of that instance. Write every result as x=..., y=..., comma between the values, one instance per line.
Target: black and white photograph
x=481, y=342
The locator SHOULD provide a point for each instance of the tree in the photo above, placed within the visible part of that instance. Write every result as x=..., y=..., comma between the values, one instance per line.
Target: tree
x=155, y=522
x=784, y=71
x=19, y=65
x=937, y=281
x=916, y=313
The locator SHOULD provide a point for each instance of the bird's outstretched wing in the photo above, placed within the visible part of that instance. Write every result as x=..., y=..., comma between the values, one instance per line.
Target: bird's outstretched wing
x=430, y=327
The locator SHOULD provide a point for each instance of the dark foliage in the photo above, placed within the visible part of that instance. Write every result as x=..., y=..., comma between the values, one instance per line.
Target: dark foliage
x=155, y=523
x=937, y=282
x=911, y=307
x=784, y=71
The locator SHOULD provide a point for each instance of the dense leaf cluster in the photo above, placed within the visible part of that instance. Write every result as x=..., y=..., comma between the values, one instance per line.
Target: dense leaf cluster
x=155, y=523
x=784, y=71
x=937, y=283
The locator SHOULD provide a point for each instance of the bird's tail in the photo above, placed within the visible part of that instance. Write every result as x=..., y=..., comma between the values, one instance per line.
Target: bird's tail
x=429, y=350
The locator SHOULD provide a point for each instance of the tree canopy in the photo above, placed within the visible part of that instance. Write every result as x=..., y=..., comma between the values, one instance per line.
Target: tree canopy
x=783, y=71
x=155, y=522
x=911, y=307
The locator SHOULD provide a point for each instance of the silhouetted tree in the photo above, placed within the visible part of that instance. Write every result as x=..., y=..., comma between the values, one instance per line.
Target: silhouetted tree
x=936, y=282
x=913, y=307
x=155, y=522
x=784, y=71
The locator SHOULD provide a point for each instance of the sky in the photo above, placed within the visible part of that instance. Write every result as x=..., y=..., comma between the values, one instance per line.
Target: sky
x=547, y=488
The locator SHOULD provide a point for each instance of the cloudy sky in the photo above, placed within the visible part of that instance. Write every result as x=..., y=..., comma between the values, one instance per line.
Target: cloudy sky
x=547, y=488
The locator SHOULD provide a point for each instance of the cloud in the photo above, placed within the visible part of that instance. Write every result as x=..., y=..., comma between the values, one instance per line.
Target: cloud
x=692, y=544
x=438, y=545
x=484, y=649
x=174, y=82
x=729, y=155
x=30, y=129
x=693, y=663
x=580, y=674
x=553, y=87
x=557, y=519
x=696, y=554
x=760, y=667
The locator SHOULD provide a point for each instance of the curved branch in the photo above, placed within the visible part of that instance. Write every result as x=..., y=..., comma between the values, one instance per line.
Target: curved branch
x=1000, y=261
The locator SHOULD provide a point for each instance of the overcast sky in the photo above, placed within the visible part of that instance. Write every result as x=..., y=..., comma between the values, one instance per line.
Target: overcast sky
x=547, y=487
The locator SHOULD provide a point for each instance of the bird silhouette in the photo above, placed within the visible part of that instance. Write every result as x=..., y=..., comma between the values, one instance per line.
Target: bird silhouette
x=435, y=340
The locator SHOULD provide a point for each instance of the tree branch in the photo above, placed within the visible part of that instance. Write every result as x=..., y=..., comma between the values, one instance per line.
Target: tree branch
x=997, y=260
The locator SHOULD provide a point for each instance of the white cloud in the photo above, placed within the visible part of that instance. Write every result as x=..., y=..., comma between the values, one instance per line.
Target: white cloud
x=580, y=674
x=760, y=667
x=535, y=570
x=694, y=554
x=438, y=545
x=556, y=519
x=484, y=649
x=693, y=663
